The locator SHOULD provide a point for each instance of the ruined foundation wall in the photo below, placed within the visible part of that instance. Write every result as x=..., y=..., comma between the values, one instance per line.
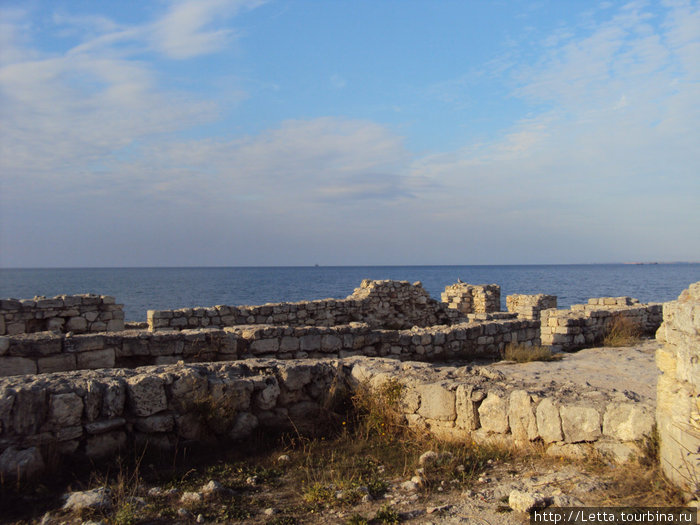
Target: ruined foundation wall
x=48, y=352
x=472, y=299
x=587, y=324
x=65, y=313
x=530, y=306
x=92, y=414
x=381, y=304
x=678, y=390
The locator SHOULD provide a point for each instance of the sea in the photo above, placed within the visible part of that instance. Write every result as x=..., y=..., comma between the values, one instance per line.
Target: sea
x=142, y=289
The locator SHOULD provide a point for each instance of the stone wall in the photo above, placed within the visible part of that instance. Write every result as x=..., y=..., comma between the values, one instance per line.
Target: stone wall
x=530, y=306
x=51, y=352
x=471, y=298
x=95, y=413
x=678, y=390
x=587, y=324
x=64, y=313
x=481, y=404
x=381, y=304
x=92, y=414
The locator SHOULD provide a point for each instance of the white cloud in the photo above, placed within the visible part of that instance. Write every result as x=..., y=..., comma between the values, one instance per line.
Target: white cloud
x=603, y=167
x=185, y=31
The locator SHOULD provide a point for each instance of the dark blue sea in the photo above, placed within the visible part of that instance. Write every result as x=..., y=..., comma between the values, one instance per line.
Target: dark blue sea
x=140, y=289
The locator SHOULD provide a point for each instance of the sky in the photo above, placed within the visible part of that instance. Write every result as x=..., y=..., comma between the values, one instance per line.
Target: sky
x=348, y=132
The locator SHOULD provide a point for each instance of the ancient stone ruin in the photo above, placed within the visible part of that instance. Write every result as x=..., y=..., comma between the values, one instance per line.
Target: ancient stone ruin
x=222, y=372
x=678, y=393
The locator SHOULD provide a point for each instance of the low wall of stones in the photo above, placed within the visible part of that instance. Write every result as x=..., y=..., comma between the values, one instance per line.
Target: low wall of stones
x=483, y=405
x=530, y=306
x=48, y=352
x=65, y=313
x=588, y=324
x=473, y=298
x=92, y=414
x=678, y=390
x=381, y=304
x=95, y=413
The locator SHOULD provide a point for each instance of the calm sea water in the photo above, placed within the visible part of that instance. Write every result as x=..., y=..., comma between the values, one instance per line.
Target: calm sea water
x=140, y=289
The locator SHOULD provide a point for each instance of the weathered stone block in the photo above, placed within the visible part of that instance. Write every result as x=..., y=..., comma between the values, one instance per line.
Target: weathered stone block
x=580, y=423
x=76, y=324
x=493, y=414
x=96, y=359
x=56, y=363
x=521, y=416
x=627, y=421
x=156, y=423
x=466, y=408
x=13, y=366
x=65, y=410
x=146, y=395
x=437, y=402
x=548, y=421
x=264, y=346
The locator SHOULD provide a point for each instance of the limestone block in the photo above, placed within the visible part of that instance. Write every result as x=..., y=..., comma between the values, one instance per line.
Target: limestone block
x=243, y=426
x=65, y=409
x=188, y=388
x=55, y=324
x=115, y=325
x=580, y=423
x=114, y=398
x=231, y=397
x=14, y=328
x=310, y=343
x=548, y=421
x=56, y=363
x=331, y=343
x=295, y=377
x=22, y=463
x=14, y=366
x=84, y=342
x=289, y=344
x=98, y=326
x=96, y=359
x=2, y=325
x=493, y=414
x=4, y=345
x=618, y=452
x=627, y=421
x=466, y=408
x=264, y=346
x=105, y=425
x=76, y=324
x=569, y=450
x=103, y=445
x=526, y=501
x=266, y=398
x=437, y=402
x=146, y=394
x=521, y=416
x=156, y=423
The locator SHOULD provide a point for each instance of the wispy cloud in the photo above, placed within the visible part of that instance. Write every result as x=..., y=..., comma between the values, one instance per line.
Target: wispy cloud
x=603, y=160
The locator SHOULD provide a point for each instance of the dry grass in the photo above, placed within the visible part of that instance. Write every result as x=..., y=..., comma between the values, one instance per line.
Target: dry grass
x=524, y=354
x=621, y=332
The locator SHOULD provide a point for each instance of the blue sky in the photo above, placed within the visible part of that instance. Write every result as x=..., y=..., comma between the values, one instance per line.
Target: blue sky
x=293, y=132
